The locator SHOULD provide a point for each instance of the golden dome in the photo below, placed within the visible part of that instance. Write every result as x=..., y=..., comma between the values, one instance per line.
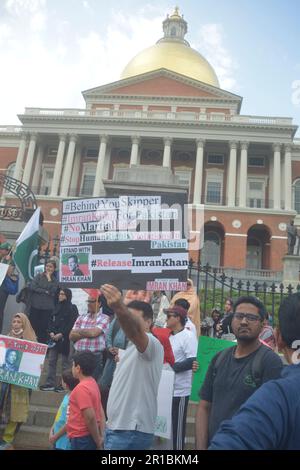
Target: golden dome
x=173, y=56
x=174, y=53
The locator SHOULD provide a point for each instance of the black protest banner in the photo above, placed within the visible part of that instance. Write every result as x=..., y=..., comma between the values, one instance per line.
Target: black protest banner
x=133, y=242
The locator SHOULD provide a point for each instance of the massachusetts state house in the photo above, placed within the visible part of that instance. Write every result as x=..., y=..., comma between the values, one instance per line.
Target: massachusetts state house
x=167, y=125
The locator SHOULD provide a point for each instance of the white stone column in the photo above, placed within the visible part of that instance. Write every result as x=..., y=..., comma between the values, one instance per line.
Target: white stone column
x=29, y=159
x=288, y=178
x=20, y=157
x=167, y=152
x=68, y=168
x=58, y=165
x=37, y=169
x=134, y=150
x=277, y=177
x=107, y=161
x=231, y=182
x=243, y=174
x=98, y=186
x=198, y=171
x=73, y=190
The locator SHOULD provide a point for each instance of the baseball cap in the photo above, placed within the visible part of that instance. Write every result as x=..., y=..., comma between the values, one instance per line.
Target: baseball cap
x=177, y=310
x=5, y=246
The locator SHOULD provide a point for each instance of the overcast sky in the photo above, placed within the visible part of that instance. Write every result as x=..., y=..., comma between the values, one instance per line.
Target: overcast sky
x=51, y=50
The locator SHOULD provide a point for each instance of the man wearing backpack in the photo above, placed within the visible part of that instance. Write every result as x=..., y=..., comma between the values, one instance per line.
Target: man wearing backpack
x=235, y=373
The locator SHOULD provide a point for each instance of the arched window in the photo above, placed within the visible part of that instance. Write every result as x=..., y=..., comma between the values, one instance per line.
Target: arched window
x=296, y=195
x=211, y=251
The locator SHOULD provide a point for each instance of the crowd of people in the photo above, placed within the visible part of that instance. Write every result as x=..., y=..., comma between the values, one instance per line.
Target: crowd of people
x=113, y=356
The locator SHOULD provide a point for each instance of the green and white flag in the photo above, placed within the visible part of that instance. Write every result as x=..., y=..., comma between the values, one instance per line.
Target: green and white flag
x=26, y=252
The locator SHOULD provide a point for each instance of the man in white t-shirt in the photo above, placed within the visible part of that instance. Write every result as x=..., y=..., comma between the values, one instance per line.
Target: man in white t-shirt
x=132, y=401
x=184, y=345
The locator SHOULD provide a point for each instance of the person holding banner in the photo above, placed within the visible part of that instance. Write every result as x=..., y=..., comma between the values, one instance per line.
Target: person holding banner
x=14, y=400
x=44, y=289
x=132, y=401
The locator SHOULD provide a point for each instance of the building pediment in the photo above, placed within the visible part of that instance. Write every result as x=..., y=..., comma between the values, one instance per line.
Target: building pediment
x=162, y=83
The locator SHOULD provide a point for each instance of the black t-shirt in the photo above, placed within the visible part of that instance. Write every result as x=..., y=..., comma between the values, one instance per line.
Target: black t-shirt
x=229, y=385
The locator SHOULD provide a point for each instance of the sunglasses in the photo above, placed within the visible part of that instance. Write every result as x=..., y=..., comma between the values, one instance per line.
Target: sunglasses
x=91, y=301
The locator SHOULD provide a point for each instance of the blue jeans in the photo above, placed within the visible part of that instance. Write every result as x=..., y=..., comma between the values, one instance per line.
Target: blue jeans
x=83, y=443
x=127, y=440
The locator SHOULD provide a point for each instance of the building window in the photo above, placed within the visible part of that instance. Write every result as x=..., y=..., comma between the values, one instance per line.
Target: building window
x=214, y=188
x=88, y=181
x=47, y=178
x=184, y=177
x=296, y=194
x=213, y=159
x=52, y=152
x=211, y=251
x=256, y=161
x=92, y=153
x=256, y=193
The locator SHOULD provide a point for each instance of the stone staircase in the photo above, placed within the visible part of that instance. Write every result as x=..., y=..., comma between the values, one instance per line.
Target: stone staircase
x=34, y=434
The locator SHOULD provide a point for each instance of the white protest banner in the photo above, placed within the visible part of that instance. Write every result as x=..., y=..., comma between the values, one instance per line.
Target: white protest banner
x=164, y=404
x=3, y=271
x=21, y=361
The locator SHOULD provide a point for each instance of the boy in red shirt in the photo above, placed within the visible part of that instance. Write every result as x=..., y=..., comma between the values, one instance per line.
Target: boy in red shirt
x=86, y=421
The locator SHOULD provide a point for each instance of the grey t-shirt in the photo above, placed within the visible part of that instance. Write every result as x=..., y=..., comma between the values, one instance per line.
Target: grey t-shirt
x=132, y=402
x=231, y=384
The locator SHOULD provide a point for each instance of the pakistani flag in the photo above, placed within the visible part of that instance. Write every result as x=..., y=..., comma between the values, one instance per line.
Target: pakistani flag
x=25, y=255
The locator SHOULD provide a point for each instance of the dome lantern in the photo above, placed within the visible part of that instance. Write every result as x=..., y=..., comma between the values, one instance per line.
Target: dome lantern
x=175, y=28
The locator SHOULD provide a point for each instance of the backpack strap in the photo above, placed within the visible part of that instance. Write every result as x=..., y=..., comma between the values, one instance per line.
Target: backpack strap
x=221, y=357
x=256, y=366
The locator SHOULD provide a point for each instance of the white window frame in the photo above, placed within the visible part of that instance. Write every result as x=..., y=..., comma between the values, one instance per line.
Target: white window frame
x=214, y=176
x=185, y=171
x=256, y=179
x=87, y=169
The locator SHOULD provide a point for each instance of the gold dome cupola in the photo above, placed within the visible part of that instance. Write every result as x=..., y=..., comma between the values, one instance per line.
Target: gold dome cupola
x=173, y=52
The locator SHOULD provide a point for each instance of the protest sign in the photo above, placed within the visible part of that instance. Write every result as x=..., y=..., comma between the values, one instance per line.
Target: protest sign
x=207, y=349
x=21, y=361
x=163, y=426
x=133, y=242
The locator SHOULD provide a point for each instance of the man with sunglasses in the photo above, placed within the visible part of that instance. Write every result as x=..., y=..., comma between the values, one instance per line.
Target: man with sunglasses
x=88, y=333
x=235, y=374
